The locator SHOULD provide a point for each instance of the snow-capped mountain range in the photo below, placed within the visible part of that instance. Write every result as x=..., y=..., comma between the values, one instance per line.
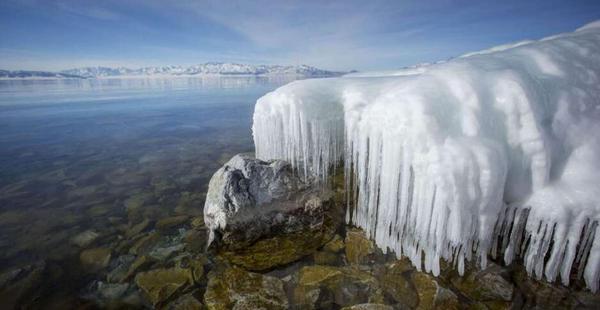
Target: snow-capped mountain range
x=210, y=68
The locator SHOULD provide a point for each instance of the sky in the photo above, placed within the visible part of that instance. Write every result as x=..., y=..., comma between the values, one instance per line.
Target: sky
x=335, y=35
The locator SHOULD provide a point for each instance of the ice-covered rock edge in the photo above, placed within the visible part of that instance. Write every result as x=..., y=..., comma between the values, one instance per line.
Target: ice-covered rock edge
x=493, y=152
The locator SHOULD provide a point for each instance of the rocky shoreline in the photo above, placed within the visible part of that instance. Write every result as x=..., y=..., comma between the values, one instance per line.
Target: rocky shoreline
x=294, y=254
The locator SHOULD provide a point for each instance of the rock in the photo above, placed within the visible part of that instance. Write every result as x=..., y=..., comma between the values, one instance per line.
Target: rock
x=369, y=307
x=162, y=253
x=9, y=276
x=195, y=241
x=112, y=291
x=22, y=287
x=234, y=288
x=198, y=222
x=185, y=302
x=486, y=285
x=119, y=271
x=432, y=295
x=543, y=295
x=95, y=259
x=144, y=244
x=395, y=281
x=85, y=238
x=160, y=284
x=334, y=245
x=262, y=215
x=138, y=228
x=138, y=264
x=195, y=264
x=326, y=287
x=326, y=258
x=171, y=222
x=359, y=249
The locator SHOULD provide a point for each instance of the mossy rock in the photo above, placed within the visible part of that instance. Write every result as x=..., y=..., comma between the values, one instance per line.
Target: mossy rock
x=335, y=245
x=235, y=288
x=281, y=249
x=168, y=223
x=432, y=295
x=486, y=285
x=326, y=258
x=395, y=281
x=185, y=302
x=160, y=284
x=328, y=286
x=359, y=249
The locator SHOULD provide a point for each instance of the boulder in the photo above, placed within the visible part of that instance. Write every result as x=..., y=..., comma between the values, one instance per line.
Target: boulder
x=260, y=214
x=235, y=288
x=160, y=284
x=369, y=307
x=85, y=238
x=359, y=249
x=432, y=295
x=319, y=287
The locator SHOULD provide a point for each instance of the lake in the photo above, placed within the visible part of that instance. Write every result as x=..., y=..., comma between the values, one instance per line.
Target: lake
x=84, y=155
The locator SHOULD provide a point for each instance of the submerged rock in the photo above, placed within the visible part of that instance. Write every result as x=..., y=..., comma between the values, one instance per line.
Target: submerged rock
x=95, y=259
x=85, y=238
x=235, y=288
x=331, y=287
x=185, y=302
x=260, y=214
x=369, y=307
x=160, y=284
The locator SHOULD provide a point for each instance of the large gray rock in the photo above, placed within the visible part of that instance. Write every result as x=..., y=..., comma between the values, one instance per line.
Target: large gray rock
x=265, y=213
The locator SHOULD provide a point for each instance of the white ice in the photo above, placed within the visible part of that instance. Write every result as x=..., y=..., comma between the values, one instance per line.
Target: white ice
x=492, y=152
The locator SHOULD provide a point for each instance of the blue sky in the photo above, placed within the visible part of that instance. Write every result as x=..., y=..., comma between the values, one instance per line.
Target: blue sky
x=338, y=35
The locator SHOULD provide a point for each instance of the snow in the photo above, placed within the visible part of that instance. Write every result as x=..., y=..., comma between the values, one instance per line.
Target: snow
x=494, y=152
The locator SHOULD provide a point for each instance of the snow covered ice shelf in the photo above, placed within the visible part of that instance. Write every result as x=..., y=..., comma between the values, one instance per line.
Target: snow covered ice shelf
x=493, y=152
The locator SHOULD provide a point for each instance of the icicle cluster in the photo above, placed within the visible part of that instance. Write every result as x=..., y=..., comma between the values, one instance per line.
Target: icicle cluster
x=494, y=151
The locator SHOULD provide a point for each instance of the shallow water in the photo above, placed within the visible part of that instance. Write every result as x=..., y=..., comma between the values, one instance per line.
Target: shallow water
x=73, y=151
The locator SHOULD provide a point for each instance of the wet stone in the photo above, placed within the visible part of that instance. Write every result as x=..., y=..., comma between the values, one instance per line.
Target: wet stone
x=235, y=288
x=395, y=281
x=138, y=228
x=160, y=284
x=185, y=302
x=95, y=259
x=486, y=285
x=359, y=249
x=171, y=222
x=84, y=239
x=432, y=295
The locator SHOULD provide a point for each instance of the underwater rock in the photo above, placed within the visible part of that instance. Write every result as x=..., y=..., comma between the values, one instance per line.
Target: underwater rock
x=235, y=288
x=432, y=295
x=138, y=264
x=145, y=243
x=137, y=228
x=327, y=286
x=160, y=284
x=20, y=285
x=95, y=259
x=171, y=222
x=260, y=214
x=359, y=249
x=85, y=238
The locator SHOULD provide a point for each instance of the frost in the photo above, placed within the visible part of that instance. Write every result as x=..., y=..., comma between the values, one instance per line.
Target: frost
x=493, y=152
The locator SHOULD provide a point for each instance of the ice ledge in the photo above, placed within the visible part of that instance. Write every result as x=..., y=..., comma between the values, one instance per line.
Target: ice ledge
x=494, y=151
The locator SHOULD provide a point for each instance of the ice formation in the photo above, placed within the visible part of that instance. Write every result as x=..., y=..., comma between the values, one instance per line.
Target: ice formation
x=495, y=152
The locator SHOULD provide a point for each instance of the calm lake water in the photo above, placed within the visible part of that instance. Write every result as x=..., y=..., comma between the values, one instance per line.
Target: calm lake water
x=77, y=155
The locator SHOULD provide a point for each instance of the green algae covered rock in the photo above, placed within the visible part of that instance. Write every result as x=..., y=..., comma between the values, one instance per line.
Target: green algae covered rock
x=160, y=284
x=359, y=249
x=396, y=282
x=235, y=288
x=486, y=285
x=327, y=286
x=432, y=295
